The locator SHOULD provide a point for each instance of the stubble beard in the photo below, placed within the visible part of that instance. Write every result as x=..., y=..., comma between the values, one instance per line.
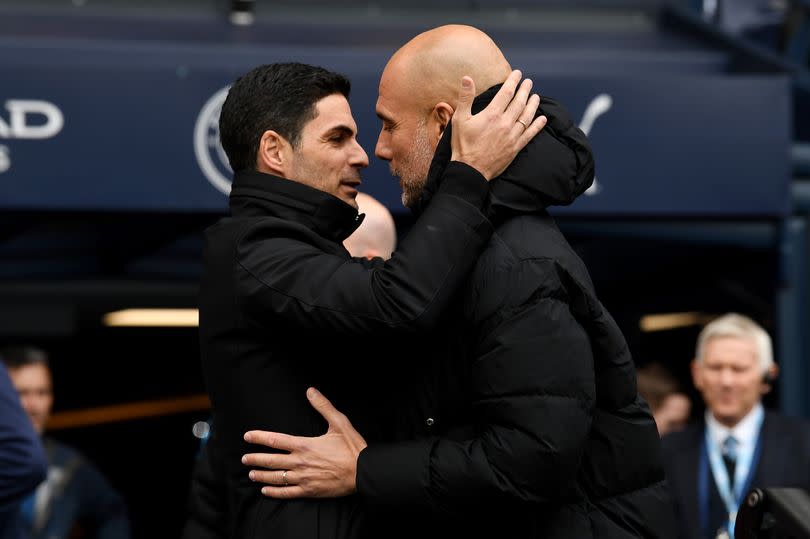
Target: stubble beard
x=414, y=167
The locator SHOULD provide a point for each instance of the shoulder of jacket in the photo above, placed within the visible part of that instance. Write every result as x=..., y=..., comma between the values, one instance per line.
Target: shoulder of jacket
x=796, y=426
x=502, y=282
x=261, y=230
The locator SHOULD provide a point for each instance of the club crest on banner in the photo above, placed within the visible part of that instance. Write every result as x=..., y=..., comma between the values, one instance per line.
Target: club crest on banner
x=210, y=155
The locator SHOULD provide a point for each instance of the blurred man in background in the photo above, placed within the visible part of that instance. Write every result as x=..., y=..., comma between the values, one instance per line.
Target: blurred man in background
x=738, y=446
x=22, y=459
x=75, y=498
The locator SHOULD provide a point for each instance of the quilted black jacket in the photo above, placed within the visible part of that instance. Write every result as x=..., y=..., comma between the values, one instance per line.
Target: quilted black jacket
x=527, y=417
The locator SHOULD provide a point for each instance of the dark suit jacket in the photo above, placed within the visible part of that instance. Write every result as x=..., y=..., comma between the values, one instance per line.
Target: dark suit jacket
x=784, y=462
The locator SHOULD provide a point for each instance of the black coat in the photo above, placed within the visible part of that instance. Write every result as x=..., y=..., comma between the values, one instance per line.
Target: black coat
x=784, y=462
x=530, y=420
x=281, y=305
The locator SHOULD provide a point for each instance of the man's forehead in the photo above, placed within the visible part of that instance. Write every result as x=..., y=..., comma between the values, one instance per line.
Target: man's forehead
x=381, y=110
x=730, y=341
x=729, y=347
x=333, y=111
x=30, y=379
x=392, y=96
x=333, y=104
x=394, y=110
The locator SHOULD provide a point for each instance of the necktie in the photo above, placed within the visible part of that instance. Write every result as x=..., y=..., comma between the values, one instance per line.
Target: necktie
x=730, y=458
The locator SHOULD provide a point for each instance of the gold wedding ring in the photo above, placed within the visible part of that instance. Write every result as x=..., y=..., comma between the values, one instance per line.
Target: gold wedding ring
x=284, y=477
x=522, y=123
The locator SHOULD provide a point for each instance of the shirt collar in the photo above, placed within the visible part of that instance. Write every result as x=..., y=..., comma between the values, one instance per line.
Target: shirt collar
x=745, y=432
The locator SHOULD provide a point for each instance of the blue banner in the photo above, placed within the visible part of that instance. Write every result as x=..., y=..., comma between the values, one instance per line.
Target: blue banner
x=129, y=126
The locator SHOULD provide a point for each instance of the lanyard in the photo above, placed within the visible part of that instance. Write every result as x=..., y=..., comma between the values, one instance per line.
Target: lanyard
x=744, y=474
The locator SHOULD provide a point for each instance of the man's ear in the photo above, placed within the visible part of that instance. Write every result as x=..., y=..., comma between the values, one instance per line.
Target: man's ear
x=697, y=374
x=274, y=155
x=769, y=378
x=440, y=116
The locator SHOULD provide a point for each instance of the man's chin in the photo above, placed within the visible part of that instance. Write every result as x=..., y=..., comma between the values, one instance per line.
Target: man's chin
x=350, y=200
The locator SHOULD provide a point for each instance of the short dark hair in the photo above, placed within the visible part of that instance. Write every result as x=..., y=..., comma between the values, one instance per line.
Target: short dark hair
x=655, y=383
x=280, y=97
x=14, y=357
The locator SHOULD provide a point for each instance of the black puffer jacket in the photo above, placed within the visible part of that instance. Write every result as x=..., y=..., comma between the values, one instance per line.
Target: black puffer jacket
x=534, y=426
x=281, y=306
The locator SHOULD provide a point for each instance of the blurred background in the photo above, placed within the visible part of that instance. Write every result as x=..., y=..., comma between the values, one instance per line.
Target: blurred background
x=110, y=170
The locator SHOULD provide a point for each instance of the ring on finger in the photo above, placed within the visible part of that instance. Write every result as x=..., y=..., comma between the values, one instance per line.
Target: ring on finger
x=524, y=124
x=284, y=477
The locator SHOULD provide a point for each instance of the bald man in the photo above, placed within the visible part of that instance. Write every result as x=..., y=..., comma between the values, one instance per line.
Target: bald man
x=524, y=419
x=377, y=235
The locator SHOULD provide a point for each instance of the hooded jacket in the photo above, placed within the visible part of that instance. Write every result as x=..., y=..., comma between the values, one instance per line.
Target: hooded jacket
x=528, y=419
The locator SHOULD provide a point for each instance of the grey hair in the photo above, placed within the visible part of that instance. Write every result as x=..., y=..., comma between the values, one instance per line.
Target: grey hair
x=737, y=325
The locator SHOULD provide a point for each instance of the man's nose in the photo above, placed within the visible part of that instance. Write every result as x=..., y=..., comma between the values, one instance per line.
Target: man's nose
x=383, y=149
x=359, y=157
x=726, y=377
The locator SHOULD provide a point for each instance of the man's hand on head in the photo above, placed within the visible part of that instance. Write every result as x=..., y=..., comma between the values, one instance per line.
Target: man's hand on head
x=491, y=139
x=319, y=467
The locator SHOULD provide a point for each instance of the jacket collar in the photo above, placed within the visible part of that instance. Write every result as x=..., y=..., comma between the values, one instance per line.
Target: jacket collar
x=256, y=194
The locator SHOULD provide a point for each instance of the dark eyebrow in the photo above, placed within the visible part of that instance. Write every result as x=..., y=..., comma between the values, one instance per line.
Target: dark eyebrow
x=344, y=130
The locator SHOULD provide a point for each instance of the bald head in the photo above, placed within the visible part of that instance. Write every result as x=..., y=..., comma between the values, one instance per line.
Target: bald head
x=418, y=95
x=428, y=69
x=376, y=235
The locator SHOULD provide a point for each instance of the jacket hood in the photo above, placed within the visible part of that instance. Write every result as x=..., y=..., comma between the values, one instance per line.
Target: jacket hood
x=552, y=170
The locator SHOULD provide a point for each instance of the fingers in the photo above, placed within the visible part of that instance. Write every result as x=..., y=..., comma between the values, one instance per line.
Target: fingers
x=526, y=116
x=331, y=414
x=506, y=93
x=276, y=478
x=466, y=95
x=535, y=127
x=271, y=461
x=276, y=440
x=284, y=493
x=529, y=110
x=520, y=103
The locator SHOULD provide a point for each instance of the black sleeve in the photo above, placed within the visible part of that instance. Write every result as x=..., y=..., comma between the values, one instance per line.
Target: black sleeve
x=295, y=280
x=22, y=459
x=532, y=398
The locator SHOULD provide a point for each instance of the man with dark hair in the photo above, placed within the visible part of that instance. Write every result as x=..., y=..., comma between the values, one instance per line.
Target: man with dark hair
x=22, y=460
x=281, y=299
x=75, y=495
x=261, y=98
x=526, y=421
